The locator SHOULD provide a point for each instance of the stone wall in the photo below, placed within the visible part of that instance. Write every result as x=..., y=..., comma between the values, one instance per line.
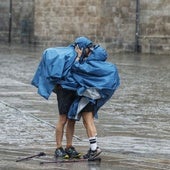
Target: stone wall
x=111, y=23
x=155, y=26
x=4, y=21
x=21, y=21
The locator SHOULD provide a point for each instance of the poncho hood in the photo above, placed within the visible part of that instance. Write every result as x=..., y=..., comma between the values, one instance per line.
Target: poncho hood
x=97, y=54
x=83, y=42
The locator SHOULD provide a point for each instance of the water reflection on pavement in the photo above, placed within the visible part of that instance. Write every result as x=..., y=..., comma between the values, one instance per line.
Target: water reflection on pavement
x=133, y=127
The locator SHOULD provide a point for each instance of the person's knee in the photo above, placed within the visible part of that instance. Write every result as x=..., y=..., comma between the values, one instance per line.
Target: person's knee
x=71, y=122
x=62, y=119
x=87, y=118
x=84, y=123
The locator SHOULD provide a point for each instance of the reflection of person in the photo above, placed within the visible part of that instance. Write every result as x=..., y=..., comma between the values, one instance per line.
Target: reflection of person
x=83, y=82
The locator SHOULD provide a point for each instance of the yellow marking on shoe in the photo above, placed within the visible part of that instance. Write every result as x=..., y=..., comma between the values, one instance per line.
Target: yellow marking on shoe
x=66, y=157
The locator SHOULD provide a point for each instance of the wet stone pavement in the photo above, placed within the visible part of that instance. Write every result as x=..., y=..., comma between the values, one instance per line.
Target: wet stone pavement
x=133, y=126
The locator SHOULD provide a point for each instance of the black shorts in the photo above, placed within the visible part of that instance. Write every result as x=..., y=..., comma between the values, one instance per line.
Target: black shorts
x=65, y=99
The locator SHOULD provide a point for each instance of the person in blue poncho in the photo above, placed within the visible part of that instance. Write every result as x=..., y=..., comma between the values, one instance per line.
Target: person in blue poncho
x=97, y=80
x=83, y=81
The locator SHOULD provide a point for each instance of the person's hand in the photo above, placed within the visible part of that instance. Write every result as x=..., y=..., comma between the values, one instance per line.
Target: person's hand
x=79, y=52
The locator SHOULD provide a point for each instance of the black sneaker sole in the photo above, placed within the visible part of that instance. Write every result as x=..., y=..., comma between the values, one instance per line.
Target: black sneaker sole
x=76, y=157
x=95, y=155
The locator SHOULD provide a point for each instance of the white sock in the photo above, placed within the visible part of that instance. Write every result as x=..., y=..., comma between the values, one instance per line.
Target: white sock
x=93, y=143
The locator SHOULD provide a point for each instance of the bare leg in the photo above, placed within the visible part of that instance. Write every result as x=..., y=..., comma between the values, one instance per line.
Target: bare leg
x=60, y=130
x=70, y=132
x=85, y=125
x=88, y=121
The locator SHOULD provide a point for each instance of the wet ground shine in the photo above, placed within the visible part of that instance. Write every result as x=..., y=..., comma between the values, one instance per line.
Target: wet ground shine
x=133, y=127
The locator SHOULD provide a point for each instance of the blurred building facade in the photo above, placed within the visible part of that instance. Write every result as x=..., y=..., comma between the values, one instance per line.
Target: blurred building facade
x=119, y=25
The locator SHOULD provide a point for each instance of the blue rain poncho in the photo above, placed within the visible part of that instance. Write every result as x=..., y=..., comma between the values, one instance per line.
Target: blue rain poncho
x=94, y=79
x=97, y=81
x=53, y=68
